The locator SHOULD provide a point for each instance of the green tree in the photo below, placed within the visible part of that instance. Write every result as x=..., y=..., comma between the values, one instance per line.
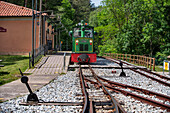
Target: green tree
x=135, y=26
x=82, y=9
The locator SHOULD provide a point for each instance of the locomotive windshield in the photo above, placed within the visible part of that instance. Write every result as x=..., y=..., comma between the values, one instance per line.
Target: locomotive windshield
x=88, y=32
x=77, y=32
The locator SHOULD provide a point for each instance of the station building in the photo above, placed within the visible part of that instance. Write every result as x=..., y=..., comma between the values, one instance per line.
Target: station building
x=16, y=30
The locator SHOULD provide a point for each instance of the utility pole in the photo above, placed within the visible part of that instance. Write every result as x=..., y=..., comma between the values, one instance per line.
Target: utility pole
x=35, y=35
x=55, y=37
x=59, y=41
x=40, y=25
x=43, y=31
x=32, y=32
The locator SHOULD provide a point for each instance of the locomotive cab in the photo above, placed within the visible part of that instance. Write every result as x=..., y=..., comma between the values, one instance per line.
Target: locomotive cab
x=82, y=43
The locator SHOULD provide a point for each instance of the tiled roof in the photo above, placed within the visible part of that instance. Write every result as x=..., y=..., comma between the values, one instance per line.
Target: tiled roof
x=9, y=9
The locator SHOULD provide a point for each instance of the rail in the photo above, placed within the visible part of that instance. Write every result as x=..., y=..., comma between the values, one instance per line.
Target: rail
x=145, y=91
x=136, y=96
x=39, y=52
x=153, y=78
x=88, y=105
x=86, y=99
x=111, y=85
x=115, y=104
x=148, y=62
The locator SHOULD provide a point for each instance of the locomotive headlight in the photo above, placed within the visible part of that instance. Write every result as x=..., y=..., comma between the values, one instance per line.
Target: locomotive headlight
x=91, y=42
x=77, y=41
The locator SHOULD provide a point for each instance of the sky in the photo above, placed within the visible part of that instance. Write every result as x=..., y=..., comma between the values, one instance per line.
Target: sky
x=97, y=2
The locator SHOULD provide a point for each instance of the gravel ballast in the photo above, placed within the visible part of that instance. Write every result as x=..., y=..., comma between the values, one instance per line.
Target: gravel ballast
x=66, y=88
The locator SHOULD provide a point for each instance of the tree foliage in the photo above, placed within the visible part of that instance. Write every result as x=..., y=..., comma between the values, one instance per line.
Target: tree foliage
x=124, y=26
x=133, y=26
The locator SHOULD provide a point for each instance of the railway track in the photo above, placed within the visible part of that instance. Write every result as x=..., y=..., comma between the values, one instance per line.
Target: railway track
x=65, y=93
x=144, y=72
x=118, y=87
x=93, y=103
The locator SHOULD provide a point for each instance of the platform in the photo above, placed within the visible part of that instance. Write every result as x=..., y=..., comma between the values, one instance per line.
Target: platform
x=45, y=71
x=51, y=64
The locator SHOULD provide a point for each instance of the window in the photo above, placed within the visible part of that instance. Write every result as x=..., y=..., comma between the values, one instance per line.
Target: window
x=77, y=32
x=89, y=32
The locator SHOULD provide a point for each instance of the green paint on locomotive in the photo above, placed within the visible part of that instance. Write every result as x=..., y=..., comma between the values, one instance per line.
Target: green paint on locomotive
x=82, y=38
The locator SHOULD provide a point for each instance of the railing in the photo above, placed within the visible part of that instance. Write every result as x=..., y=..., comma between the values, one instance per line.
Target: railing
x=148, y=62
x=38, y=53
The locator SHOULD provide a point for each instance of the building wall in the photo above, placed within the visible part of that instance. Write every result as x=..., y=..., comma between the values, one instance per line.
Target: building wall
x=18, y=38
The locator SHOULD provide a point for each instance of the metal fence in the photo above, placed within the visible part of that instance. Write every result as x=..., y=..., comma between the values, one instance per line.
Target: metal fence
x=38, y=53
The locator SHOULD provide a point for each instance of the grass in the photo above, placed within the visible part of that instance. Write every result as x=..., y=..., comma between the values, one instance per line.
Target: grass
x=12, y=63
x=159, y=69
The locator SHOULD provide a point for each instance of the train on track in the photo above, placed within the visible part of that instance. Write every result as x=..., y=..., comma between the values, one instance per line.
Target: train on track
x=83, y=43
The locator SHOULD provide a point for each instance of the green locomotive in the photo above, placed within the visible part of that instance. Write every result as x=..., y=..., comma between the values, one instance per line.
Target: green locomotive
x=83, y=43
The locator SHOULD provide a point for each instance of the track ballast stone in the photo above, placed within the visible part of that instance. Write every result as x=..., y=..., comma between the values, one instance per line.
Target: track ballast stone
x=63, y=89
x=66, y=88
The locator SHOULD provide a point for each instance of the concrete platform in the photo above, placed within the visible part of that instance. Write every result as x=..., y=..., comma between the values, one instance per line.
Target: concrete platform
x=51, y=64
x=45, y=71
x=17, y=88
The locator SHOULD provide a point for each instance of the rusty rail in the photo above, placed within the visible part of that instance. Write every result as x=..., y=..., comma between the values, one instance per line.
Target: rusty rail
x=117, y=107
x=135, y=96
x=148, y=71
x=161, y=76
x=86, y=98
x=88, y=106
x=158, y=95
x=153, y=78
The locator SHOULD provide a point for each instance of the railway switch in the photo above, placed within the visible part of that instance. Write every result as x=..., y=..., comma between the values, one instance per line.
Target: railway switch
x=32, y=97
x=24, y=79
x=122, y=74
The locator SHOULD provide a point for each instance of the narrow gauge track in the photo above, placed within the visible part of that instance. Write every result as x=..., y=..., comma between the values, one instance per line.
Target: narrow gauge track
x=109, y=105
x=116, y=87
x=162, y=79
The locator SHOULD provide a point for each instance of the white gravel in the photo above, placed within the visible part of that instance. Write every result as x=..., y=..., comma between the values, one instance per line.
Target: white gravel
x=65, y=88
x=135, y=79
